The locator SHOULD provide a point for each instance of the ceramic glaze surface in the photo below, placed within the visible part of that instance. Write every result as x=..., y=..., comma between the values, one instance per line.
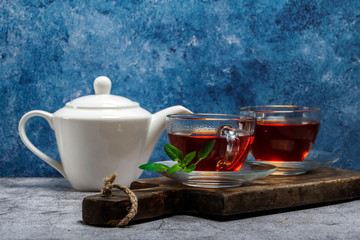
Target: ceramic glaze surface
x=91, y=150
x=99, y=135
x=209, y=56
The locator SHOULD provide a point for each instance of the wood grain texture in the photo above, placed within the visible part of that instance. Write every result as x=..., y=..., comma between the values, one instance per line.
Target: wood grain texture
x=162, y=196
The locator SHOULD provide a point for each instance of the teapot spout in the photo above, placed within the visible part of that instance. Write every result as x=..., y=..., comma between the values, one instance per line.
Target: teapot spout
x=157, y=126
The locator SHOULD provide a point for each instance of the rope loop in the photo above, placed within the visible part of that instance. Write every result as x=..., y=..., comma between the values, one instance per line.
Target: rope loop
x=107, y=191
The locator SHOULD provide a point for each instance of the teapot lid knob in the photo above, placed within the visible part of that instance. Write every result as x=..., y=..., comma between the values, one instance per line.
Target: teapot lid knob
x=102, y=85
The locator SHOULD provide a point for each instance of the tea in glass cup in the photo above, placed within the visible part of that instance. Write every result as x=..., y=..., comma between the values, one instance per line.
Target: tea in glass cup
x=283, y=133
x=233, y=137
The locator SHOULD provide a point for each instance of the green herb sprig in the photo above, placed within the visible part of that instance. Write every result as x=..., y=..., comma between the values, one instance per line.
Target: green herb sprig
x=183, y=162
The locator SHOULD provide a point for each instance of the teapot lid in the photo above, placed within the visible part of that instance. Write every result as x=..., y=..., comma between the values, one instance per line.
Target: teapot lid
x=102, y=98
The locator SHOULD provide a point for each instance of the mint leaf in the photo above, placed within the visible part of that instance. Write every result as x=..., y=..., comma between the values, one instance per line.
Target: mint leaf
x=174, y=168
x=174, y=153
x=206, y=149
x=190, y=168
x=188, y=158
x=157, y=167
x=177, y=155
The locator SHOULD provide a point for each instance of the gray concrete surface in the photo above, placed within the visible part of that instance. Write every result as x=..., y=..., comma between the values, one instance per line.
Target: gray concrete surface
x=48, y=208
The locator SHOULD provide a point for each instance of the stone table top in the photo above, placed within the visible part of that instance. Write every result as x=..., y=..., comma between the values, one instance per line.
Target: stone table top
x=48, y=208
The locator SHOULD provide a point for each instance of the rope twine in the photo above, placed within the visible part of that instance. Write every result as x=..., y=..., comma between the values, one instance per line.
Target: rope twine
x=107, y=191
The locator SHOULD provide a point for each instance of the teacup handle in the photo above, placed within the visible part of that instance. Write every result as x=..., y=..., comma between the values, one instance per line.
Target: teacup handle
x=48, y=117
x=230, y=134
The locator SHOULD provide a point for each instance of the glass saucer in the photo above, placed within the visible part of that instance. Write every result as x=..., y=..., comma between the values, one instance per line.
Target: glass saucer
x=314, y=160
x=212, y=179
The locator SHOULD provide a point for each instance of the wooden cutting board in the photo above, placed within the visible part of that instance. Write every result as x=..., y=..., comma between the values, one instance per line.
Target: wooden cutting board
x=162, y=196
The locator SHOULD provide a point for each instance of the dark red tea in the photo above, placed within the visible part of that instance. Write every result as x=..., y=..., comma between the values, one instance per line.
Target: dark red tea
x=283, y=141
x=213, y=161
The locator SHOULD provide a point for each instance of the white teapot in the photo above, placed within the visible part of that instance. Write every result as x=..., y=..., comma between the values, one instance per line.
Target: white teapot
x=101, y=134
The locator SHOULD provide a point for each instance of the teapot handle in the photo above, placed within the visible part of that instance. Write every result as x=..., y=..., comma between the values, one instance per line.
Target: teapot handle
x=48, y=117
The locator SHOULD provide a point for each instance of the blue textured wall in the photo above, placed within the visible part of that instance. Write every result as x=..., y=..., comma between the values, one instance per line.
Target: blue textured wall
x=210, y=56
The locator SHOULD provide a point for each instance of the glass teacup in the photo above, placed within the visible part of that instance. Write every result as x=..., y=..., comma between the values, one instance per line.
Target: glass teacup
x=233, y=137
x=284, y=133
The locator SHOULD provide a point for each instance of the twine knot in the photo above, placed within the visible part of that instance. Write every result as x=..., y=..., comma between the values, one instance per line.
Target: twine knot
x=107, y=191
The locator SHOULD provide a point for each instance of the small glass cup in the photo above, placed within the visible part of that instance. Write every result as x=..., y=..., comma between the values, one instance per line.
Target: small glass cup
x=283, y=133
x=233, y=137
